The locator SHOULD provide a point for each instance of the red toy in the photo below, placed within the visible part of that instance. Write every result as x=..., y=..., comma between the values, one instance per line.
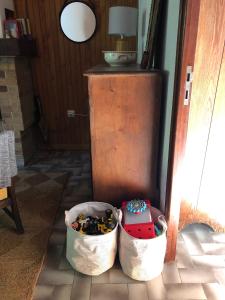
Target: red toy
x=137, y=219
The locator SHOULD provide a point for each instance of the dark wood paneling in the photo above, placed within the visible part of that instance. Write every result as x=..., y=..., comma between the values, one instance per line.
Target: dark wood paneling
x=58, y=70
x=124, y=111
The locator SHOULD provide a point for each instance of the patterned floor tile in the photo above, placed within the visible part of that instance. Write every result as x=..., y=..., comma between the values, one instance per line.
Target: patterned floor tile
x=197, y=275
x=181, y=291
x=218, y=237
x=64, y=264
x=43, y=292
x=81, y=287
x=170, y=273
x=198, y=259
x=60, y=221
x=213, y=261
x=183, y=259
x=62, y=292
x=37, y=179
x=192, y=244
x=204, y=235
x=213, y=248
x=156, y=289
x=219, y=273
x=103, y=278
x=137, y=291
x=214, y=291
x=109, y=292
x=55, y=277
x=57, y=237
x=117, y=276
x=54, y=253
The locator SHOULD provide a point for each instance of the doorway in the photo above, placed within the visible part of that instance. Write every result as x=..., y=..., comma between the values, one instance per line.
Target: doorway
x=195, y=189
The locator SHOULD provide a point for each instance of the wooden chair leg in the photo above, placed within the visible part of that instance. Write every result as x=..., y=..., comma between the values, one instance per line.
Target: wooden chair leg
x=15, y=210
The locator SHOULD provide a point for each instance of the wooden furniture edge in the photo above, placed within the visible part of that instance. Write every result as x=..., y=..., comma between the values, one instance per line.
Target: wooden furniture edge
x=119, y=71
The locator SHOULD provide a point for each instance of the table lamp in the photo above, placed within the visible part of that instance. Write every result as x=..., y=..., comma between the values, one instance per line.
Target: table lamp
x=122, y=23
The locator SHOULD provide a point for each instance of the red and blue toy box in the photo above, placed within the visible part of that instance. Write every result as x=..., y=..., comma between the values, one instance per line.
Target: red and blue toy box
x=137, y=219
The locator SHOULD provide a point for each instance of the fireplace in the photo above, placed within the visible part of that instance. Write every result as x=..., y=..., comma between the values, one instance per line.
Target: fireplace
x=17, y=103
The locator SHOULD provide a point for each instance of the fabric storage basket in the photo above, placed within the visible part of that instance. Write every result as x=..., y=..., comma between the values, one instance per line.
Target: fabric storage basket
x=143, y=259
x=90, y=254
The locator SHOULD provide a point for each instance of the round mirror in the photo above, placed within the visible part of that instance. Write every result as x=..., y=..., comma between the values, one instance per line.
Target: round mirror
x=77, y=21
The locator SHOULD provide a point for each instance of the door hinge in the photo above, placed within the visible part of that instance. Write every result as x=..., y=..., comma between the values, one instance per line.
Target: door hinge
x=188, y=82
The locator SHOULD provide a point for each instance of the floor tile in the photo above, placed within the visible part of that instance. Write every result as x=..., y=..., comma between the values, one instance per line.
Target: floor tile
x=219, y=273
x=117, y=276
x=37, y=179
x=56, y=277
x=192, y=244
x=137, y=291
x=42, y=292
x=197, y=227
x=54, y=254
x=103, y=278
x=199, y=257
x=60, y=221
x=57, y=237
x=197, y=275
x=156, y=289
x=182, y=291
x=218, y=237
x=213, y=248
x=81, y=287
x=214, y=291
x=109, y=292
x=214, y=261
x=170, y=273
x=62, y=292
x=204, y=236
x=22, y=187
x=64, y=264
x=183, y=259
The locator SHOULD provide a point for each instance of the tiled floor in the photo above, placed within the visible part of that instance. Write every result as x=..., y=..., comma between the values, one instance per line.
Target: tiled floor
x=197, y=273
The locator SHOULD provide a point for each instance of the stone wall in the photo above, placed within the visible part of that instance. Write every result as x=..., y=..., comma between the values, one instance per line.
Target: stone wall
x=17, y=103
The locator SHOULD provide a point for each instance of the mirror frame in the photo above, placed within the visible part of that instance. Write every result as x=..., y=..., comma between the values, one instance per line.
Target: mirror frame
x=92, y=9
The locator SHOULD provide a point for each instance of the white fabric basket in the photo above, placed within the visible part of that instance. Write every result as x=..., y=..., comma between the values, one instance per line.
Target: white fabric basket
x=143, y=259
x=89, y=254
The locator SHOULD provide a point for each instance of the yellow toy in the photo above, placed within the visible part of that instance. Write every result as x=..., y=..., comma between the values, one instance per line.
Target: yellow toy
x=3, y=194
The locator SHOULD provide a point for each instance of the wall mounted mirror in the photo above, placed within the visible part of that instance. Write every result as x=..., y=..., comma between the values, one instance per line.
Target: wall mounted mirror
x=77, y=21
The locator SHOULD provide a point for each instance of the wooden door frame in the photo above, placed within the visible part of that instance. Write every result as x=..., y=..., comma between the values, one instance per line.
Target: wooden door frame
x=188, y=24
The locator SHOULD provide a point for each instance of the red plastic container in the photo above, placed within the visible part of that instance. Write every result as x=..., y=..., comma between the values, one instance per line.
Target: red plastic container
x=140, y=225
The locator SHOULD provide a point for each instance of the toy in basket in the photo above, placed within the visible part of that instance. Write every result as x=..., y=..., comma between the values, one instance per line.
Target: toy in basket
x=137, y=219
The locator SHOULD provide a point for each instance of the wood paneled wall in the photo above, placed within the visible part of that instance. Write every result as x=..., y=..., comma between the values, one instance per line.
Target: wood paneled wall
x=58, y=69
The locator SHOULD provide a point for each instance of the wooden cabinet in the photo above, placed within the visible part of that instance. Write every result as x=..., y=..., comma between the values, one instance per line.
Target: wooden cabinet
x=124, y=124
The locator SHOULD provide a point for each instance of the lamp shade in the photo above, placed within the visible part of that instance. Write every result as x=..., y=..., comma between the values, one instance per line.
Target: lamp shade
x=123, y=20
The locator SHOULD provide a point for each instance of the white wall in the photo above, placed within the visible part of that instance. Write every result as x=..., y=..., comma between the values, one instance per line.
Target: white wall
x=4, y=4
x=143, y=20
x=168, y=65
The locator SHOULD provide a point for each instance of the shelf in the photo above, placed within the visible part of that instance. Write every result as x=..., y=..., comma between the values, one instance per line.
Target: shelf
x=108, y=70
x=17, y=47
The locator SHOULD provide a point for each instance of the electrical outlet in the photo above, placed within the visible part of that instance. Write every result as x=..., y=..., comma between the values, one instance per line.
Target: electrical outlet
x=70, y=113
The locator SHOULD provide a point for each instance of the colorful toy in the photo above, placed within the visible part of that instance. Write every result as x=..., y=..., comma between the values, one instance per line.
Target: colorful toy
x=137, y=219
x=95, y=225
x=136, y=206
